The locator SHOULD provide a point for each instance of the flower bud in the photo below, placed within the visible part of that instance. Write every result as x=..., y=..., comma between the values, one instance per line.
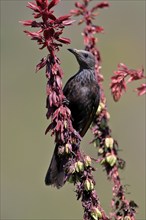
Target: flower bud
x=111, y=159
x=87, y=161
x=100, y=151
x=109, y=142
x=100, y=108
x=79, y=166
x=88, y=185
x=68, y=148
x=95, y=213
x=127, y=218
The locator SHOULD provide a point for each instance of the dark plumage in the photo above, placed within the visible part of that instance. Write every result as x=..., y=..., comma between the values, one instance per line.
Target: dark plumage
x=82, y=92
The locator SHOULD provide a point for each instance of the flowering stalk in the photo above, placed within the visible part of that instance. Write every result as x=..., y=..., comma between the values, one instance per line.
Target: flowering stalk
x=107, y=146
x=82, y=177
x=77, y=166
x=49, y=36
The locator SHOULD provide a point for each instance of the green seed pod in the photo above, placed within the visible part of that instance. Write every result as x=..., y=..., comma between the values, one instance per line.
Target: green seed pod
x=100, y=151
x=95, y=213
x=87, y=185
x=109, y=142
x=68, y=148
x=127, y=218
x=111, y=159
x=87, y=161
x=79, y=166
x=76, y=167
x=100, y=108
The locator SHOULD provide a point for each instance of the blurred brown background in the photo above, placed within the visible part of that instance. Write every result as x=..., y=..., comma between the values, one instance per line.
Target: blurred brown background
x=26, y=151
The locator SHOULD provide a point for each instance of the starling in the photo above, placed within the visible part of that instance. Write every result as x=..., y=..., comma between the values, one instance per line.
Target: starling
x=83, y=95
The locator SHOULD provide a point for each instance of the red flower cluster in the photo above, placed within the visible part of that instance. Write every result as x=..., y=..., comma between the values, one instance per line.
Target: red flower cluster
x=119, y=83
x=51, y=28
x=88, y=15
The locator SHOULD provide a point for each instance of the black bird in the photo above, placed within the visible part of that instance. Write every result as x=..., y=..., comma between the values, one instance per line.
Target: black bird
x=83, y=95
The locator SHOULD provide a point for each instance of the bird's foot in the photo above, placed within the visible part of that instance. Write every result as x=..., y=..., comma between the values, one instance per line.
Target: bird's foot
x=65, y=101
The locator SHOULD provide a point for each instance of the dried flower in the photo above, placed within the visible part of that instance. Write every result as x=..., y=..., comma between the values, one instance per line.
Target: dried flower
x=50, y=29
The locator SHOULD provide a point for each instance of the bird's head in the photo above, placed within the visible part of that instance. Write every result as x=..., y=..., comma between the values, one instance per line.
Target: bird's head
x=85, y=59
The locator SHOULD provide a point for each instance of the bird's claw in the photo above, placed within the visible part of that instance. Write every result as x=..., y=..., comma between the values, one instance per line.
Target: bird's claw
x=65, y=101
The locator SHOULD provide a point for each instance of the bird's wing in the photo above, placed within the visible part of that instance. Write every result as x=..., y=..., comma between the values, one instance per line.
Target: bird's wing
x=83, y=103
x=87, y=111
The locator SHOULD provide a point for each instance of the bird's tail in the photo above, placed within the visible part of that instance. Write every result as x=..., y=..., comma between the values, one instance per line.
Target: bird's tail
x=55, y=175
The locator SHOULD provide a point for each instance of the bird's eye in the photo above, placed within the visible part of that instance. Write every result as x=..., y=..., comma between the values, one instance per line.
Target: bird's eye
x=85, y=55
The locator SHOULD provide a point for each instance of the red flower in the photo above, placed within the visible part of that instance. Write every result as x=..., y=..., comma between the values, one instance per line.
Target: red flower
x=31, y=23
x=118, y=86
x=41, y=64
x=100, y=5
x=52, y=3
x=136, y=74
x=141, y=90
x=50, y=28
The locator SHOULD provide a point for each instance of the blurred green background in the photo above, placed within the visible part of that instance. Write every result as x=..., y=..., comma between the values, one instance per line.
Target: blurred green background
x=26, y=151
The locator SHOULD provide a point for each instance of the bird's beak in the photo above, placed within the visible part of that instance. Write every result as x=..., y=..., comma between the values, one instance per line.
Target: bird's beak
x=74, y=51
